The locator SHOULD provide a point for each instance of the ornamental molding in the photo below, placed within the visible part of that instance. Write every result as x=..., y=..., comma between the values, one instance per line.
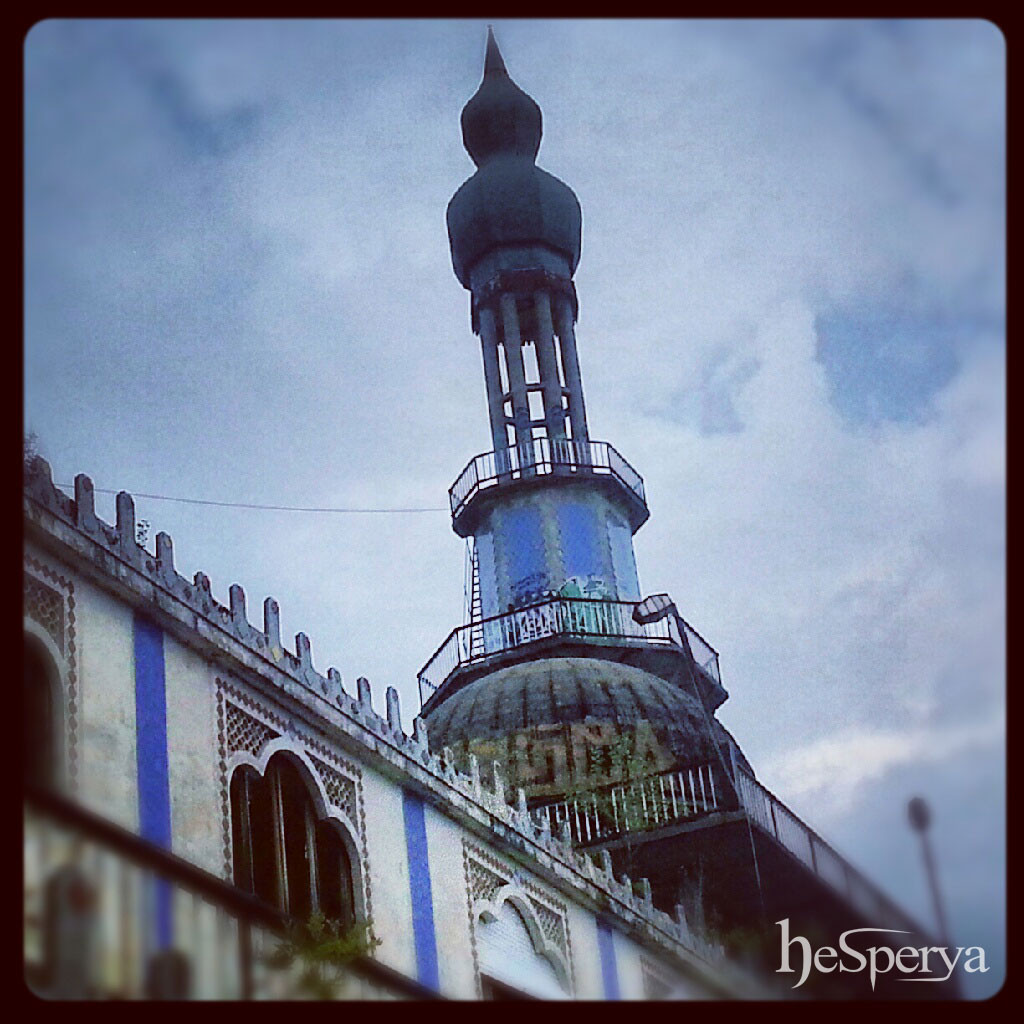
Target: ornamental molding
x=491, y=882
x=49, y=615
x=250, y=730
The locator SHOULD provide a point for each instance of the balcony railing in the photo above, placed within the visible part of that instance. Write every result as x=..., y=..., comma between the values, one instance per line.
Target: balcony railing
x=767, y=812
x=647, y=803
x=97, y=899
x=563, y=616
x=540, y=457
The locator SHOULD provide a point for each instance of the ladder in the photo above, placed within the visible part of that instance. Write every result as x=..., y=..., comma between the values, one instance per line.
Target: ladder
x=476, y=634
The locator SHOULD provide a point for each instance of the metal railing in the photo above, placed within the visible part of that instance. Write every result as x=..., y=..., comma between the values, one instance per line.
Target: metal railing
x=562, y=616
x=772, y=816
x=134, y=907
x=647, y=803
x=539, y=457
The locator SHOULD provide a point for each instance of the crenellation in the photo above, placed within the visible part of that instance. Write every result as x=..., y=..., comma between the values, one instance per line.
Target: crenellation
x=365, y=697
x=304, y=654
x=679, y=917
x=645, y=890
x=499, y=782
x=85, y=504
x=420, y=733
x=197, y=595
x=272, y=626
x=474, y=775
x=394, y=711
x=335, y=689
x=165, y=556
x=236, y=600
x=125, y=505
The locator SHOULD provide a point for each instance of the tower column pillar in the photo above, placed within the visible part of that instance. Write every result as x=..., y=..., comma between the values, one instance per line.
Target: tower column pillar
x=571, y=368
x=547, y=362
x=492, y=380
x=516, y=378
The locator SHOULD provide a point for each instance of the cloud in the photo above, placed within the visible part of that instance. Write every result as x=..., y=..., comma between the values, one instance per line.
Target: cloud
x=792, y=309
x=832, y=773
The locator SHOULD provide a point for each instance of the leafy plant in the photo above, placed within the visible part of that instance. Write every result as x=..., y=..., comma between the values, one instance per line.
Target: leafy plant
x=315, y=952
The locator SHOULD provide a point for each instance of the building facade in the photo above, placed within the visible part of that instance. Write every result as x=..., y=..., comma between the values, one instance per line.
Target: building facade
x=565, y=818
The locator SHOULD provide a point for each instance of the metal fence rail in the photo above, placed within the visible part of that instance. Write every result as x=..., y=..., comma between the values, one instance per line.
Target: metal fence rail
x=636, y=806
x=106, y=912
x=540, y=457
x=772, y=816
x=564, y=616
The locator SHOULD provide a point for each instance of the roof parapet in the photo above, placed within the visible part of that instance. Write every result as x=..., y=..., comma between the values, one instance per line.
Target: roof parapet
x=121, y=543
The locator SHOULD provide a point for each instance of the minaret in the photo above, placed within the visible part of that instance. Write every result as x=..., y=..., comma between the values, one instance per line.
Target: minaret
x=559, y=665
x=551, y=512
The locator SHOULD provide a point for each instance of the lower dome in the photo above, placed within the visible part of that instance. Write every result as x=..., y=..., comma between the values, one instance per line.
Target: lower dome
x=557, y=722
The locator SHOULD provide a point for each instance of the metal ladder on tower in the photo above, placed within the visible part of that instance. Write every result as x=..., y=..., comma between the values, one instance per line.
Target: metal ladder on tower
x=476, y=614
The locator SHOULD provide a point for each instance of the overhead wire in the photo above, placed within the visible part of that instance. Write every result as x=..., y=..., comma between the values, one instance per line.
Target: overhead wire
x=268, y=508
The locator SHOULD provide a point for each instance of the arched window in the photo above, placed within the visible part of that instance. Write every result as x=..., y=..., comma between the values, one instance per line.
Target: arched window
x=282, y=852
x=41, y=717
x=511, y=964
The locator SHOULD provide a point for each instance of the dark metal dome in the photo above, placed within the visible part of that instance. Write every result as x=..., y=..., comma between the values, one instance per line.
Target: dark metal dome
x=571, y=709
x=500, y=118
x=509, y=201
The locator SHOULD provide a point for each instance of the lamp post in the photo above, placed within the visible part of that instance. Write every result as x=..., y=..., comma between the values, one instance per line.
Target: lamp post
x=920, y=816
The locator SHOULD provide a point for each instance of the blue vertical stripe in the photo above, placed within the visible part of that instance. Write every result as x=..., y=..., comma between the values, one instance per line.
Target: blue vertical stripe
x=419, y=885
x=577, y=526
x=609, y=970
x=623, y=560
x=151, y=757
x=523, y=542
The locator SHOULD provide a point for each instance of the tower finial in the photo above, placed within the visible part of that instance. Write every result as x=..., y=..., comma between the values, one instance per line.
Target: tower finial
x=493, y=62
x=500, y=119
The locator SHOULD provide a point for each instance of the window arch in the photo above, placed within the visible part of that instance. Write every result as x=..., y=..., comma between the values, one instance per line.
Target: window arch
x=283, y=852
x=42, y=716
x=512, y=961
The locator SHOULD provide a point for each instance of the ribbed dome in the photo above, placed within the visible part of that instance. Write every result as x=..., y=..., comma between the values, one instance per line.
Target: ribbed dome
x=535, y=698
x=509, y=201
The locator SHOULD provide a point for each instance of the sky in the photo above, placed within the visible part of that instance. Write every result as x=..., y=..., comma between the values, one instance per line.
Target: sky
x=792, y=323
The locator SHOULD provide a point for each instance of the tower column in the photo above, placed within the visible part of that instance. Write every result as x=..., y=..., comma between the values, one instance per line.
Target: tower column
x=547, y=362
x=516, y=377
x=492, y=380
x=571, y=367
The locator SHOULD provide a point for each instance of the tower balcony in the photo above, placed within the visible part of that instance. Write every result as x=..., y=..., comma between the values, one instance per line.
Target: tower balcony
x=541, y=461
x=569, y=626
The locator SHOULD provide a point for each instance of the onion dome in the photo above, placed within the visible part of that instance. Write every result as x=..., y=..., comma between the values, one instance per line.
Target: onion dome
x=500, y=118
x=509, y=202
x=565, y=711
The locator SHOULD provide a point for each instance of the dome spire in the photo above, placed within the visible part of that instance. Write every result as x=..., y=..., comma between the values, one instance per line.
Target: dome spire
x=493, y=63
x=500, y=119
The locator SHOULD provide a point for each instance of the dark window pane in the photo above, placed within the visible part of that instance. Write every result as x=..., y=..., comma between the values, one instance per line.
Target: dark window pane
x=334, y=876
x=261, y=828
x=39, y=721
x=295, y=797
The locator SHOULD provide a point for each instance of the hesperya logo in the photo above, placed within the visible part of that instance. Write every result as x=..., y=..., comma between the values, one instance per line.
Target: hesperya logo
x=915, y=963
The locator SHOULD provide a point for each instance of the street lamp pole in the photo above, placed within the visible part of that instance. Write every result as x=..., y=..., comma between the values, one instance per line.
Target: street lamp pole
x=920, y=816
